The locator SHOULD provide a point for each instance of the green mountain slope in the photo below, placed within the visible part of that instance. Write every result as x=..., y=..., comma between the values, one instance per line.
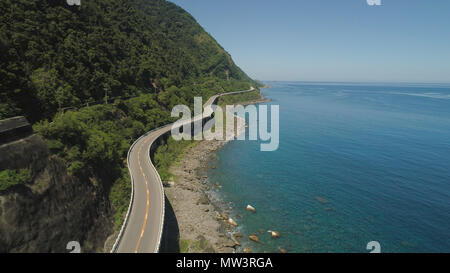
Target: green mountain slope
x=55, y=55
x=57, y=62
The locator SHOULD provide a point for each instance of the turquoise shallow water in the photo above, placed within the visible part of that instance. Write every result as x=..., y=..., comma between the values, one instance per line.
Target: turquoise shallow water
x=356, y=163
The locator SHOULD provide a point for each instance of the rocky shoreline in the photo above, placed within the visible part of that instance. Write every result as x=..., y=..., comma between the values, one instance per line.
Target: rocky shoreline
x=262, y=99
x=198, y=218
x=203, y=225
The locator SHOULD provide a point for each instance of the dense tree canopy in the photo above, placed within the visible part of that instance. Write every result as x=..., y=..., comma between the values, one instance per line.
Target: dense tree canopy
x=54, y=55
x=58, y=62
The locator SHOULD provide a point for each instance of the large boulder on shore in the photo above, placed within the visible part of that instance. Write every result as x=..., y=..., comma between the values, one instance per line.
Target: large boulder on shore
x=232, y=222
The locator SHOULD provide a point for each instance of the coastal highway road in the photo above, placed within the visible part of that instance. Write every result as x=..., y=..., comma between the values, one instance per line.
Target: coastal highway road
x=142, y=229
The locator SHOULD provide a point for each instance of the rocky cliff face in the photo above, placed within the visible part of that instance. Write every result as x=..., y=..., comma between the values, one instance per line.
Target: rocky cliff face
x=44, y=214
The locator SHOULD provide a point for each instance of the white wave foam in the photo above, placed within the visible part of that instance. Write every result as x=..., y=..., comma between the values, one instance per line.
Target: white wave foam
x=427, y=95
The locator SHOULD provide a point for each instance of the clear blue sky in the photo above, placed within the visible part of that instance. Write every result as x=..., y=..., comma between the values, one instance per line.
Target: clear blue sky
x=332, y=40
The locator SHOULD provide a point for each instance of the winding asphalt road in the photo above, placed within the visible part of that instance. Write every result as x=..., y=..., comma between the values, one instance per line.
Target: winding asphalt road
x=142, y=229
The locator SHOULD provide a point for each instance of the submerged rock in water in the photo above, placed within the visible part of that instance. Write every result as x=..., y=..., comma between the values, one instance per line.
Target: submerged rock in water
x=254, y=238
x=247, y=250
x=250, y=208
x=321, y=200
x=282, y=250
x=274, y=234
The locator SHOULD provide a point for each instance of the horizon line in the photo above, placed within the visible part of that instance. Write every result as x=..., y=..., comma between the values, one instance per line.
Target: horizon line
x=357, y=82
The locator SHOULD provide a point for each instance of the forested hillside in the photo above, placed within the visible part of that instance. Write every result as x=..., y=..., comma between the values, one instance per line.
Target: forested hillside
x=58, y=62
x=55, y=55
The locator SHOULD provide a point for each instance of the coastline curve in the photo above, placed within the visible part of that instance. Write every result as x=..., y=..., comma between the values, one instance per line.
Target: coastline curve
x=152, y=143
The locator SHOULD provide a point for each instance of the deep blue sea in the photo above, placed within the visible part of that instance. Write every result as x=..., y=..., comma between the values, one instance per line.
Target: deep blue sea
x=356, y=163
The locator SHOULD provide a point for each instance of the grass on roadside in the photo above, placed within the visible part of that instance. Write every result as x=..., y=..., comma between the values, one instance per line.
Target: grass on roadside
x=170, y=154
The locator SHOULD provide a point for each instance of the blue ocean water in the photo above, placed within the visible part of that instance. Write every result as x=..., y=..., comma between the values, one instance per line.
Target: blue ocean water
x=356, y=163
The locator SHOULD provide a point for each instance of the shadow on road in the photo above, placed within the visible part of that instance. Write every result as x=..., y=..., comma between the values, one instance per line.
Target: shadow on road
x=171, y=233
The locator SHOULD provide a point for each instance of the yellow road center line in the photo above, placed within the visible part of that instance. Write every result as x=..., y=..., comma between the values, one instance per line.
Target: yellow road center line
x=148, y=199
x=146, y=185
